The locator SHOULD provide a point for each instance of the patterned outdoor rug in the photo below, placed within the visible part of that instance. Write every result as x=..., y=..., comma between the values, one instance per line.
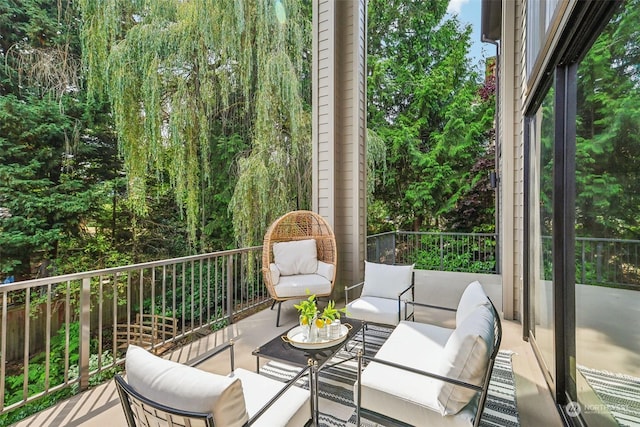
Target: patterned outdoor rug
x=336, y=385
x=621, y=394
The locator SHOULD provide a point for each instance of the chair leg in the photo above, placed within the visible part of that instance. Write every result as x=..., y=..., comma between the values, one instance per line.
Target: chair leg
x=364, y=344
x=274, y=304
x=278, y=317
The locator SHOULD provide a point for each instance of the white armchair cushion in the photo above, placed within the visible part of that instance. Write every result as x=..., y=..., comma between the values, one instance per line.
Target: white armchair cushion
x=473, y=296
x=377, y=310
x=296, y=257
x=300, y=285
x=275, y=273
x=290, y=410
x=386, y=281
x=465, y=357
x=403, y=395
x=325, y=270
x=183, y=387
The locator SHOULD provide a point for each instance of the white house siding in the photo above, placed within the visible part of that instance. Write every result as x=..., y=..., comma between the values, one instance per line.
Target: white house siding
x=323, y=106
x=339, y=192
x=511, y=155
x=518, y=168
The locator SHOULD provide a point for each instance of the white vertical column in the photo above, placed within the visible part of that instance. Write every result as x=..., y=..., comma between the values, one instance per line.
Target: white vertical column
x=339, y=129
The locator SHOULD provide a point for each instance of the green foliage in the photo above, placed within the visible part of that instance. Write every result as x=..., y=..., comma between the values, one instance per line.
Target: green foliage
x=376, y=163
x=608, y=133
x=307, y=309
x=330, y=312
x=472, y=259
x=57, y=158
x=37, y=374
x=190, y=99
x=43, y=196
x=95, y=361
x=424, y=103
x=90, y=253
x=191, y=302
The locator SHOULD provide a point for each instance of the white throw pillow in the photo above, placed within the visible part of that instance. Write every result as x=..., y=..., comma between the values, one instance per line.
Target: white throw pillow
x=275, y=273
x=182, y=387
x=296, y=257
x=325, y=270
x=387, y=281
x=465, y=357
x=473, y=296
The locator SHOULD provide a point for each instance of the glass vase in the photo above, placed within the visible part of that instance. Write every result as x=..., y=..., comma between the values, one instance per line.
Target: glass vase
x=304, y=327
x=313, y=330
x=323, y=332
x=334, y=329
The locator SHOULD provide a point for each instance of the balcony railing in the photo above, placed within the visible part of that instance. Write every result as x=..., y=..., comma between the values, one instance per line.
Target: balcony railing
x=61, y=334
x=601, y=262
x=468, y=252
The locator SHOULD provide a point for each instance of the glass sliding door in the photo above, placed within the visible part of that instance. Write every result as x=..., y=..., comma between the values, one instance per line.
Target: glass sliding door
x=541, y=128
x=607, y=289
x=582, y=212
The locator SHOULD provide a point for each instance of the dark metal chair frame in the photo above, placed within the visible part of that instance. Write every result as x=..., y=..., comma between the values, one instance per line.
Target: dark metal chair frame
x=407, y=316
x=138, y=409
x=407, y=303
x=483, y=389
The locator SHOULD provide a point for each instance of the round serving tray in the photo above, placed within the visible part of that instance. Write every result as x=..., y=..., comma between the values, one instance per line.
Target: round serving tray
x=295, y=338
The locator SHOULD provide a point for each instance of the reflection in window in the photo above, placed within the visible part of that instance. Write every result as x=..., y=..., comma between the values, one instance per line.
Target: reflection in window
x=539, y=16
x=607, y=216
x=541, y=191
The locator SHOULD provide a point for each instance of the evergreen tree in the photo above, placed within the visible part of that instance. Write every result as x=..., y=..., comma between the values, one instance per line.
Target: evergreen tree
x=608, y=133
x=53, y=168
x=424, y=102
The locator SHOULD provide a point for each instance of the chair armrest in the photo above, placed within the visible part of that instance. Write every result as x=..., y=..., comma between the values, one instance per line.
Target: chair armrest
x=349, y=288
x=411, y=286
x=438, y=307
x=214, y=352
x=406, y=309
x=280, y=393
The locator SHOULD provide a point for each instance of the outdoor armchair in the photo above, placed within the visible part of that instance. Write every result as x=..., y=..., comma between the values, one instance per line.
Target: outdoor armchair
x=426, y=374
x=299, y=258
x=162, y=392
x=385, y=294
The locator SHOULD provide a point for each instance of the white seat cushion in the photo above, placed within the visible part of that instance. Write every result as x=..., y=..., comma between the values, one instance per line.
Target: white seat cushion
x=465, y=357
x=185, y=388
x=292, y=409
x=386, y=281
x=405, y=396
x=376, y=310
x=302, y=284
x=473, y=296
x=296, y=257
x=426, y=339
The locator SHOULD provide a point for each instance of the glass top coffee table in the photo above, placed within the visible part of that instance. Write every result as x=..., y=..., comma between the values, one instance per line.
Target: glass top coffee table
x=282, y=351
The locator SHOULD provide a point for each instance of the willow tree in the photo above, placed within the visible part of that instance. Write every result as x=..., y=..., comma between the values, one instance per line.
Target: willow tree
x=182, y=76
